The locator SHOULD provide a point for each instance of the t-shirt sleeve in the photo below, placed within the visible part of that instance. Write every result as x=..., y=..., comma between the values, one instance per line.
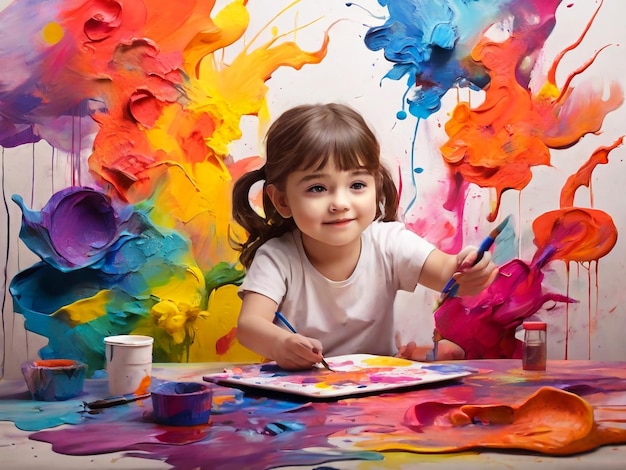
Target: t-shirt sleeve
x=267, y=274
x=405, y=251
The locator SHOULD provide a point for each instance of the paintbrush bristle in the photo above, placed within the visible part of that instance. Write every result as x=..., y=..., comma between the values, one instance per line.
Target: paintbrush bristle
x=496, y=231
x=325, y=364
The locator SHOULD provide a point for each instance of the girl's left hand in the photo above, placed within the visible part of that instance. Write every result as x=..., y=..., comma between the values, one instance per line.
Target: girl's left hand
x=411, y=351
x=473, y=279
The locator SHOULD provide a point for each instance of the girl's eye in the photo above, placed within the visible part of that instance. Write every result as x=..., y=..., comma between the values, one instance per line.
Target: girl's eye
x=316, y=189
x=358, y=185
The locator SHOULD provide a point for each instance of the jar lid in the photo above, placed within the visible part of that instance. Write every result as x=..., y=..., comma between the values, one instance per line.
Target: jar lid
x=534, y=325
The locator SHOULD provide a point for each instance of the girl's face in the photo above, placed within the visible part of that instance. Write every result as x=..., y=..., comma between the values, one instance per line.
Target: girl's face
x=329, y=206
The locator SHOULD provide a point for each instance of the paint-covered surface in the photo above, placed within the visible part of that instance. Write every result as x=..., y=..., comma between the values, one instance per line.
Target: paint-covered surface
x=572, y=407
x=352, y=374
x=125, y=123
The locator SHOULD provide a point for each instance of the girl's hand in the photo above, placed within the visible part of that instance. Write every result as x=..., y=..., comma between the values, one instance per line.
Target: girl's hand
x=473, y=279
x=413, y=352
x=297, y=352
x=447, y=350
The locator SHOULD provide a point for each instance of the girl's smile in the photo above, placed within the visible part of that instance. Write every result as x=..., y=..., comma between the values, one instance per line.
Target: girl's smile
x=339, y=222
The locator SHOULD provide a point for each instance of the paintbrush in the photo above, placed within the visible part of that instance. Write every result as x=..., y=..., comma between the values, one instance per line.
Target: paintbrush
x=451, y=287
x=285, y=322
x=114, y=401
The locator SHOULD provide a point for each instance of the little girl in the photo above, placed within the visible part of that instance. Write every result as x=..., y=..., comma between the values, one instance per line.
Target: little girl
x=329, y=252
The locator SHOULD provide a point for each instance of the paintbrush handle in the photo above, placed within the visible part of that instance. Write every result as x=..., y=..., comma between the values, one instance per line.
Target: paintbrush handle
x=487, y=242
x=285, y=322
x=483, y=248
x=106, y=403
x=114, y=401
x=451, y=286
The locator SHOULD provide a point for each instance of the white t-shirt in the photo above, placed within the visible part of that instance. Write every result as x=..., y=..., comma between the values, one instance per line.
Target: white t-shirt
x=348, y=317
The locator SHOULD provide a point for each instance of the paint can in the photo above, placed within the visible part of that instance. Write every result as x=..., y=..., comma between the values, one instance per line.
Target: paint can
x=182, y=403
x=534, y=352
x=129, y=363
x=54, y=379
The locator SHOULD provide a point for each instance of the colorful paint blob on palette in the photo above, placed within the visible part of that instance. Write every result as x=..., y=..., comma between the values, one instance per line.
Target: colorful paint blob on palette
x=352, y=374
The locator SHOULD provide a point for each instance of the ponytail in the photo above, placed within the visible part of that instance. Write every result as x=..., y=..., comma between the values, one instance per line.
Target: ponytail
x=388, y=198
x=260, y=228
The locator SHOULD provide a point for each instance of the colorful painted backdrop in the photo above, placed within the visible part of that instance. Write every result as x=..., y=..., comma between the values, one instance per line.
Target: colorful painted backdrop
x=124, y=123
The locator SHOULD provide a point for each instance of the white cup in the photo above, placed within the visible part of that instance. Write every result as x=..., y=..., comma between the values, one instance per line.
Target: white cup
x=129, y=363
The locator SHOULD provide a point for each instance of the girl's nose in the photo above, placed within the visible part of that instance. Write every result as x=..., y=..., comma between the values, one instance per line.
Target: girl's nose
x=339, y=203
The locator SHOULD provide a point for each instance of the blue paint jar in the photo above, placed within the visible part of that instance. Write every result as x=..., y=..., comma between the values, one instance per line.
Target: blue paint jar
x=54, y=379
x=182, y=403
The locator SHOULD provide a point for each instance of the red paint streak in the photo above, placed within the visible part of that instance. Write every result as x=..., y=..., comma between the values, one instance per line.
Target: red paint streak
x=223, y=344
x=53, y=363
x=182, y=434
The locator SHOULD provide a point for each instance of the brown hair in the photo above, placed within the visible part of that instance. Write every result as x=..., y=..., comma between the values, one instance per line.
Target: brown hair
x=305, y=137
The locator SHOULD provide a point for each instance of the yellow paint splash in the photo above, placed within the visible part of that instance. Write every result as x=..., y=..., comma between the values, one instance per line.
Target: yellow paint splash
x=52, y=33
x=387, y=361
x=85, y=310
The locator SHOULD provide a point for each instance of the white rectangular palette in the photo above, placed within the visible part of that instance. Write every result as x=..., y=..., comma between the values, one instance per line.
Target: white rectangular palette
x=354, y=374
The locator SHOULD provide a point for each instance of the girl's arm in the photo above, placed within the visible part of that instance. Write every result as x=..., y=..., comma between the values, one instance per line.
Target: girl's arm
x=440, y=267
x=256, y=331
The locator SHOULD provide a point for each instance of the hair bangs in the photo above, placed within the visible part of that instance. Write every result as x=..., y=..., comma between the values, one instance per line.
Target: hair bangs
x=347, y=148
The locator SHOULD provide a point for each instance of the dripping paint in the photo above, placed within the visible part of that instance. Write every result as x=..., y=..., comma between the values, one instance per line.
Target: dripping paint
x=152, y=109
x=524, y=114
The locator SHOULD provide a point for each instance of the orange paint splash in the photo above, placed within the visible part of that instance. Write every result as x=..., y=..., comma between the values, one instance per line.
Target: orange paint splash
x=497, y=143
x=169, y=120
x=576, y=234
x=550, y=421
x=144, y=386
x=583, y=176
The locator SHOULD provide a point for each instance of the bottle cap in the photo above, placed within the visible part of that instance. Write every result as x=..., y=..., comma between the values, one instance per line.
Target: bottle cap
x=534, y=325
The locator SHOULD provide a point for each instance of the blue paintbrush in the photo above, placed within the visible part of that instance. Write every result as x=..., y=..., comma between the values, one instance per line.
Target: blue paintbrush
x=285, y=322
x=452, y=286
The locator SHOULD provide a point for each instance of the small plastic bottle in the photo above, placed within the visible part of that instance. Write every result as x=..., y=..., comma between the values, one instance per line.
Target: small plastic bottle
x=535, y=347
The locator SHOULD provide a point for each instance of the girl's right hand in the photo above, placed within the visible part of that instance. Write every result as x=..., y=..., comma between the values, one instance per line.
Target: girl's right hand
x=297, y=352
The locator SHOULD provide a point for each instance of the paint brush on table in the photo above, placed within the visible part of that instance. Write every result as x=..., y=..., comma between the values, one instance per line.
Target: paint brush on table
x=114, y=401
x=451, y=287
x=285, y=322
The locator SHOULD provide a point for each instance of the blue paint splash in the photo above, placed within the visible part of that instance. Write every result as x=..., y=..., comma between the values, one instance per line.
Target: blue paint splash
x=429, y=43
